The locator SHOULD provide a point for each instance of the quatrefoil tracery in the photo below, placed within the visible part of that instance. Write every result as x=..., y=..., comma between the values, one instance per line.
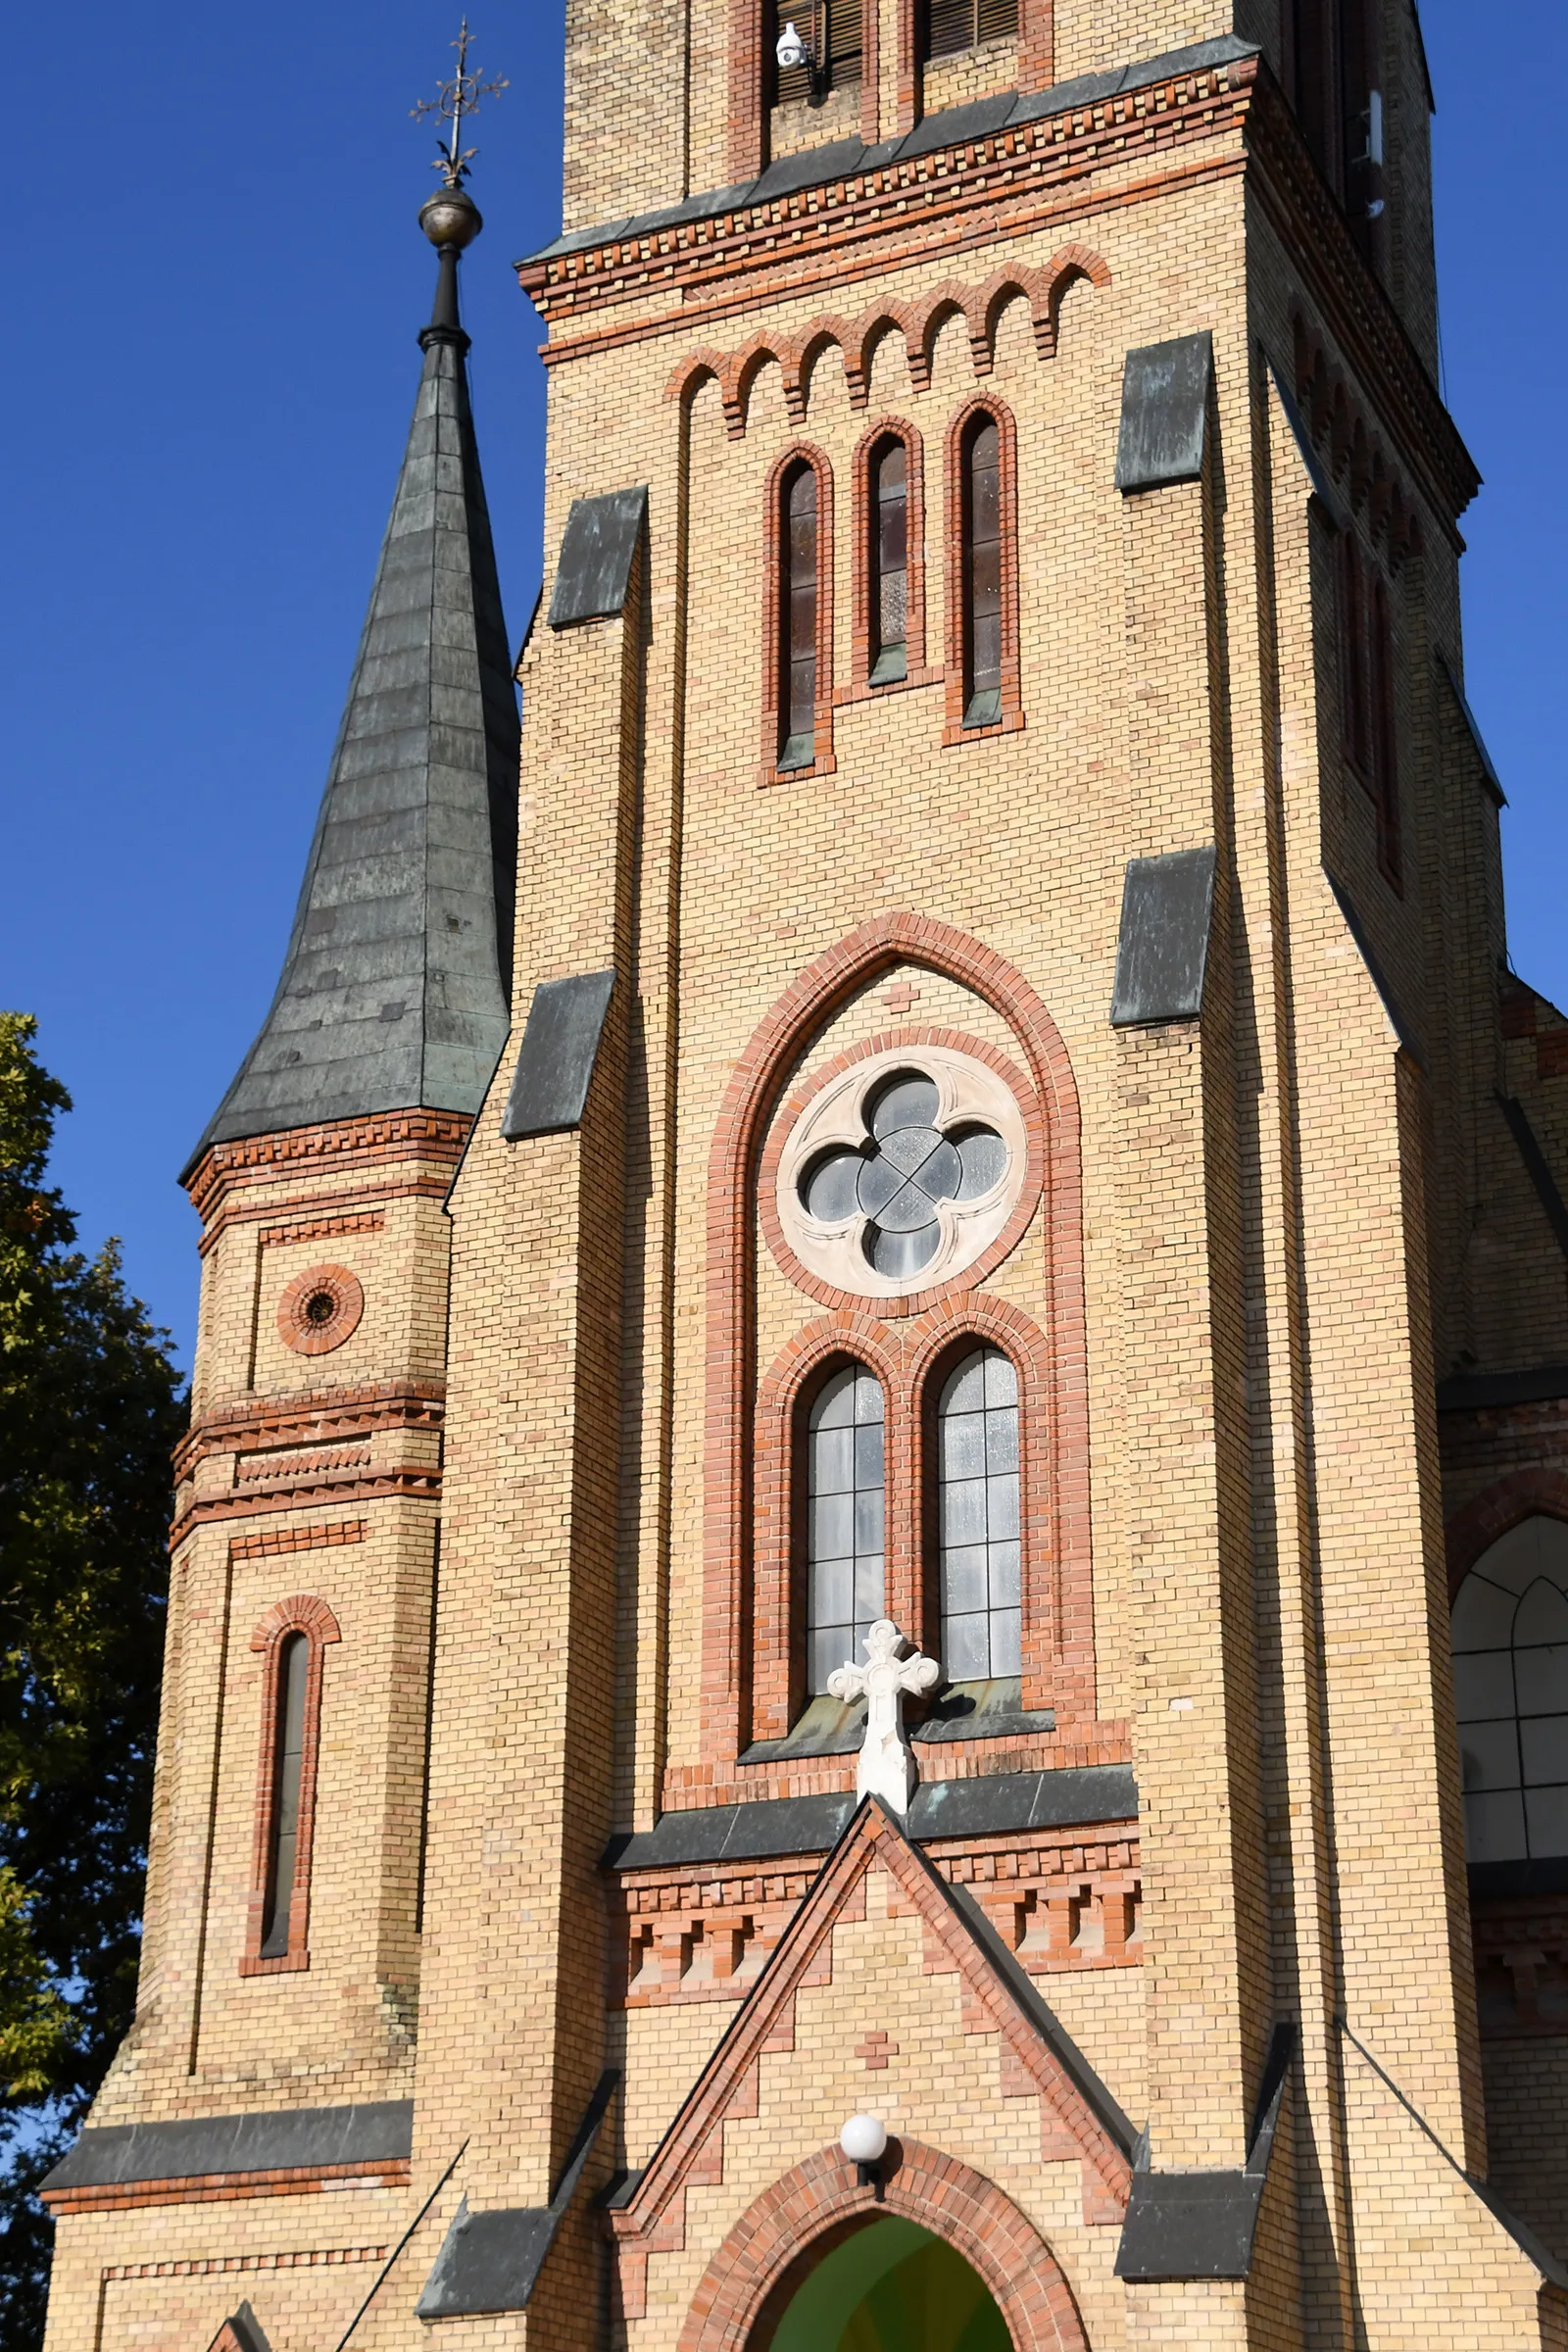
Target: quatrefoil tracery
x=894, y=1184
x=902, y=1170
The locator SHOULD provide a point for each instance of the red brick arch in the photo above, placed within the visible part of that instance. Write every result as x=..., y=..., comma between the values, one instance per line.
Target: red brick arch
x=750, y=1101
x=939, y=2192
x=1530, y=1494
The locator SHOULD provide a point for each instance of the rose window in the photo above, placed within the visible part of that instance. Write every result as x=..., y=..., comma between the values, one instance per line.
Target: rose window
x=902, y=1170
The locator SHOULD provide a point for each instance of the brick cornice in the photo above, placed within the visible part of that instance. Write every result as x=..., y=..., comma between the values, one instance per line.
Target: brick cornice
x=1017, y=179
x=325, y=1150
x=895, y=208
x=313, y=1417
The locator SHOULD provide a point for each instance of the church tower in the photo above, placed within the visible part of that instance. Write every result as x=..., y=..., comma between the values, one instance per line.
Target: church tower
x=972, y=1278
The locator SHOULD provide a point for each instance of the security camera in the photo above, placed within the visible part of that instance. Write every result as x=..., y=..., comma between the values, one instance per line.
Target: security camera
x=791, y=51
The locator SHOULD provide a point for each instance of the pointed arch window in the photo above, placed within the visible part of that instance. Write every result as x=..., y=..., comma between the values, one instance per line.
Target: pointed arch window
x=981, y=574
x=1510, y=1687
x=979, y=1559
x=800, y=616
x=890, y=563
x=846, y=1512
x=293, y=1638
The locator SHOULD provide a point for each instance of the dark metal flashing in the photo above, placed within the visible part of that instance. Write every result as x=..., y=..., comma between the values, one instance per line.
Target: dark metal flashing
x=1375, y=972
x=555, y=1060
x=1526, y=1881
x=949, y=127
x=1474, y=1391
x=1165, y=413
x=396, y=980
x=1489, y=774
x=1553, y=2272
x=1322, y=487
x=1537, y=1167
x=593, y=575
x=1167, y=906
x=1095, y=2092
x=980, y=1711
x=1203, y=2225
x=814, y=1825
x=491, y=2261
x=286, y=2139
x=246, y=2330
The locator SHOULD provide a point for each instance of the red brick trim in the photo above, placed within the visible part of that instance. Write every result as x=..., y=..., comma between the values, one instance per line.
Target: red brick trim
x=739, y=1137
x=334, y=1288
x=323, y=1229
x=278, y=1540
x=1059, y=1634
x=775, y=541
x=915, y=322
x=212, y=2189
x=1036, y=45
x=437, y=1135
x=1529, y=1494
x=314, y=1418
x=955, y=731
x=749, y=2282
x=746, y=117
x=862, y=526
x=911, y=67
x=692, y=2150
x=914, y=1303
x=301, y=1613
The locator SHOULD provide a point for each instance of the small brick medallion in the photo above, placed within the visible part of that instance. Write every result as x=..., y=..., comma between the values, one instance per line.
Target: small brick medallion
x=319, y=1310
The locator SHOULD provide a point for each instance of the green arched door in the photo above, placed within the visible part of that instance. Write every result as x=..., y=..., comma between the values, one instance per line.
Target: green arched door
x=890, y=2288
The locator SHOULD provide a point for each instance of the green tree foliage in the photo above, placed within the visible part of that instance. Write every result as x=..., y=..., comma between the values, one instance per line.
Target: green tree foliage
x=90, y=1405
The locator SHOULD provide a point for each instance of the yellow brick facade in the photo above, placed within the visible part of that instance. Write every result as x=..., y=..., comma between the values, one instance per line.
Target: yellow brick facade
x=1288, y=1295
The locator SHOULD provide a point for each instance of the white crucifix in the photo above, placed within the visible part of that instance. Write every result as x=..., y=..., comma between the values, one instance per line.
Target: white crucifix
x=893, y=1670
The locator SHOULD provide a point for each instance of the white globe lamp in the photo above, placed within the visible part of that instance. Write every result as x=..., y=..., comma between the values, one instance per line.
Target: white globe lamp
x=864, y=2138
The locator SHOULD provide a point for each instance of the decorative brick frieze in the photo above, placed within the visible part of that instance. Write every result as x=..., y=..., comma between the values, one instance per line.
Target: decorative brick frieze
x=1521, y=1950
x=917, y=321
x=311, y=2258
x=323, y=1229
x=707, y=1937
x=303, y=1453
x=275, y=1540
x=322, y=1215
x=334, y=1147
x=1353, y=450
x=907, y=209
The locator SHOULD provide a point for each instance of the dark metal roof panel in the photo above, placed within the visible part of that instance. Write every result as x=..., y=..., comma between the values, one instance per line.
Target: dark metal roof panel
x=285, y=2139
x=395, y=983
x=1167, y=906
x=597, y=548
x=1165, y=413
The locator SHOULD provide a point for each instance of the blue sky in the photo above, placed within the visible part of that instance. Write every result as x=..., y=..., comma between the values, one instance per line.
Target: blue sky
x=215, y=283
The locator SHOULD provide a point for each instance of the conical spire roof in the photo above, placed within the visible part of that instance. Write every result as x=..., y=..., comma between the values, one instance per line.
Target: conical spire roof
x=395, y=987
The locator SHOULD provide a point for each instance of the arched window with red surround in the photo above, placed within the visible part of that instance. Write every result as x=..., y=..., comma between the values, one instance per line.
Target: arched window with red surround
x=800, y=616
x=292, y=1637
x=981, y=574
x=976, y=1520
x=888, y=619
x=844, y=1512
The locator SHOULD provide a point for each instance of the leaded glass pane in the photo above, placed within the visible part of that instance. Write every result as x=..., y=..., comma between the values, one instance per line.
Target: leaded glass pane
x=1510, y=1684
x=979, y=1570
x=843, y=1533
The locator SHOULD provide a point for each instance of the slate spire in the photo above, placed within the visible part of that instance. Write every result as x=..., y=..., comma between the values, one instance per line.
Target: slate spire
x=395, y=985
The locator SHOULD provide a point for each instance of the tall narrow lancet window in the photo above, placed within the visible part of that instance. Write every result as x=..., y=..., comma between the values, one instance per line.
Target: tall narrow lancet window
x=797, y=657
x=845, y=1512
x=978, y=1556
x=1385, y=758
x=889, y=518
x=289, y=1766
x=981, y=524
x=1510, y=1689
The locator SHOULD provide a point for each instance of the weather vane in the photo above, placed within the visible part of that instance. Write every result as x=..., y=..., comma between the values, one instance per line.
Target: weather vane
x=458, y=98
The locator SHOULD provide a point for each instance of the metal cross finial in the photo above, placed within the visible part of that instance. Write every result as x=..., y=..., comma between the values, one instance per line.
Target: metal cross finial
x=456, y=99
